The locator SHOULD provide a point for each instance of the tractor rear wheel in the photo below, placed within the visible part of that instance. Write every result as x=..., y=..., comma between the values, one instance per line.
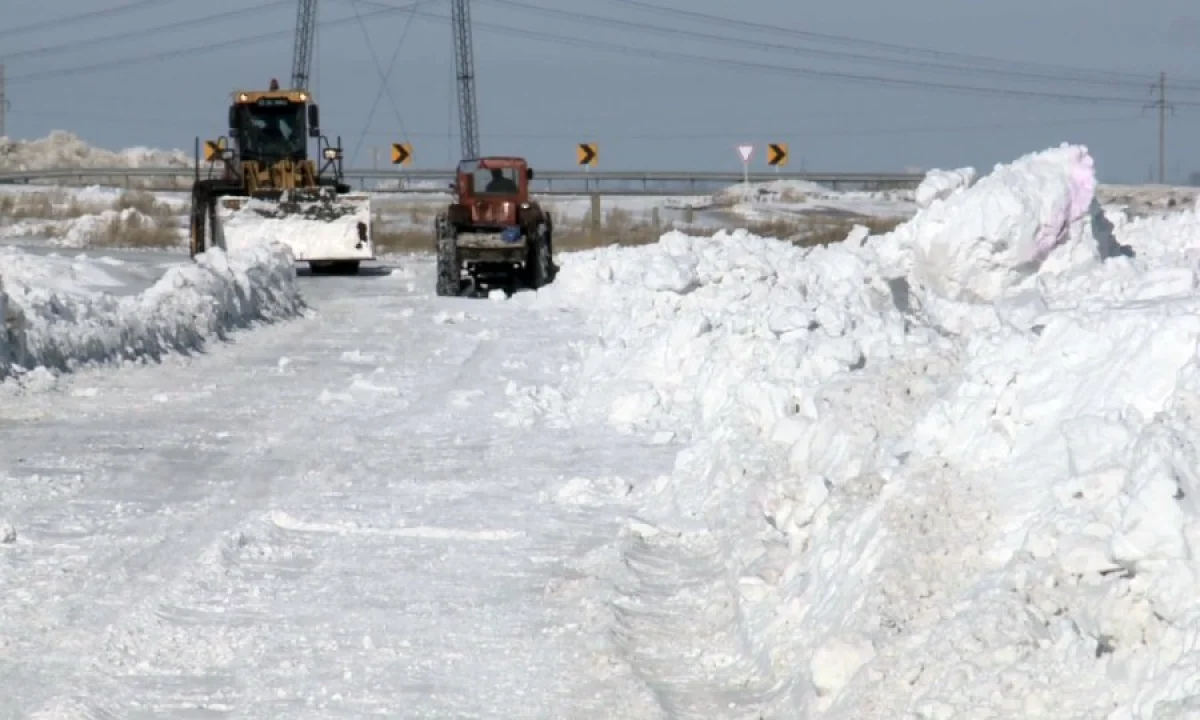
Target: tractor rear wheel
x=449, y=272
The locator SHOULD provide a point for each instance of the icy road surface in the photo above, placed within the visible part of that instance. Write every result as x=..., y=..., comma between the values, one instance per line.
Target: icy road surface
x=333, y=517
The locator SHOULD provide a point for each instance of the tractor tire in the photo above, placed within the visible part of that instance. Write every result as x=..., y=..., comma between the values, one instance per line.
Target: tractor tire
x=449, y=272
x=539, y=268
x=554, y=268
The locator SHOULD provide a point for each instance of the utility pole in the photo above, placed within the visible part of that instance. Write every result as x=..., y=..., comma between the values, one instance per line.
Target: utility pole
x=1161, y=104
x=302, y=45
x=464, y=61
x=1162, y=128
x=3, y=101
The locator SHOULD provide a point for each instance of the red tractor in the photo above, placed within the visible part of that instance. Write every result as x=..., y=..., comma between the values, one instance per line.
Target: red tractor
x=492, y=231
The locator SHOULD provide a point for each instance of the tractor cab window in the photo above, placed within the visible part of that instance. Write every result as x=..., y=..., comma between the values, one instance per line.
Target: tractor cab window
x=496, y=181
x=273, y=132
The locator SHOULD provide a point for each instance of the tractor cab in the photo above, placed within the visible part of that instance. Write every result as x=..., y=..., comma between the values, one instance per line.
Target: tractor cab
x=493, y=177
x=490, y=192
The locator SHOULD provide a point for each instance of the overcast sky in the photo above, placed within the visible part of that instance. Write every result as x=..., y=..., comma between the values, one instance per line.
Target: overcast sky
x=655, y=85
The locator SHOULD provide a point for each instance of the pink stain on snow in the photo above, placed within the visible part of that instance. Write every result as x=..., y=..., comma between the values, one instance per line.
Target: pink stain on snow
x=1080, y=191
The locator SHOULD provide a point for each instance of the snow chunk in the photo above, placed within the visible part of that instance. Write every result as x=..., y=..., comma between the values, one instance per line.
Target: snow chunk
x=976, y=244
x=60, y=322
x=941, y=184
x=836, y=661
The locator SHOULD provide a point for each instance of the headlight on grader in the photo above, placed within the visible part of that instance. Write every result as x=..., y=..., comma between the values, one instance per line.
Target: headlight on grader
x=333, y=153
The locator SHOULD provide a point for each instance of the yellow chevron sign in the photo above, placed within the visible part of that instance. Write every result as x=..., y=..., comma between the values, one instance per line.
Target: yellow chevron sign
x=587, y=153
x=213, y=149
x=401, y=154
x=777, y=154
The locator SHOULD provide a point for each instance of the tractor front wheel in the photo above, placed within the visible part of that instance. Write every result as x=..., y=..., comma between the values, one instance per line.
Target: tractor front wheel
x=539, y=266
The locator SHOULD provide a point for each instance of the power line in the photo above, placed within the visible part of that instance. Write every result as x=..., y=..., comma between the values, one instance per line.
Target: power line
x=575, y=42
x=76, y=70
x=795, y=71
x=156, y=120
x=891, y=63
x=60, y=22
x=1075, y=72
x=384, y=77
x=801, y=133
x=142, y=32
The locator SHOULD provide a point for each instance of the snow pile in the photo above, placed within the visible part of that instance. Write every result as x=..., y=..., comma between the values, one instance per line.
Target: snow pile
x=312, y=230
x=114, y=228
x=975, y=246
x=792, y=192
x=790, y=200
x=783, y=190
x=61, y=149
x=82, y=231
x=946, y=471
x=941, y=184
x=54, y=320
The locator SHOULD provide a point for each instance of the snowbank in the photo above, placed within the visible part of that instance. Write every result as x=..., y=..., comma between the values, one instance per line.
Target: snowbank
x=946, y=471
x=61, y=321
x=61, y=149
x=128, y=228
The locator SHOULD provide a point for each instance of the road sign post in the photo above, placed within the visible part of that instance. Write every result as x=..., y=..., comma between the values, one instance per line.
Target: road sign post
x=745, y=151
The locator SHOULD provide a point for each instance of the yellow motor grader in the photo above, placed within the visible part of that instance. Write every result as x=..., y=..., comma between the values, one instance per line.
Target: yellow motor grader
x=258, y=183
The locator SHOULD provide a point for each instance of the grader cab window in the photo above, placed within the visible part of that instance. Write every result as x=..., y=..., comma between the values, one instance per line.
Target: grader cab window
x=273, y=131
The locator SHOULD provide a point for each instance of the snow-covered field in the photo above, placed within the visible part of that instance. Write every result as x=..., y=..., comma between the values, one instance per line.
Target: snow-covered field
x=948, y=471
x=82, y=217
x=80, y=213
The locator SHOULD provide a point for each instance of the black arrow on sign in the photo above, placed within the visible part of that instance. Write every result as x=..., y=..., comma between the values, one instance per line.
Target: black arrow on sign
x=588, y=154
x=777, y=154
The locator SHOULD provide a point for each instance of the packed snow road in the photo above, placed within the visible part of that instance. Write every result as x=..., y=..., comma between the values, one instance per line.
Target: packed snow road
x=344, y=515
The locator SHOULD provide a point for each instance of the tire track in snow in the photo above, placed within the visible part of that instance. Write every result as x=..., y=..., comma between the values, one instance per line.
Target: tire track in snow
x=199, y=626
x=123, y=584
x=239, y=607
x=111, y=595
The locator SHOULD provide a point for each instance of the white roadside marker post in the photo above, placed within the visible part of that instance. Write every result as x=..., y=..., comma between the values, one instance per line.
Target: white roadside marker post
x=745, y=151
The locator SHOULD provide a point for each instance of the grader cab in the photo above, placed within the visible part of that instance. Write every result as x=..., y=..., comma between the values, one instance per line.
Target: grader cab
x=266, y=187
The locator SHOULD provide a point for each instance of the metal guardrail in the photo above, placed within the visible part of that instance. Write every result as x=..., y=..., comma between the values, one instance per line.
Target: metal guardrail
x=550, y=182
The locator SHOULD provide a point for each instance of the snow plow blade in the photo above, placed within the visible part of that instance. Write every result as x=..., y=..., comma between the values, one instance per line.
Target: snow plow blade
x=319, y=225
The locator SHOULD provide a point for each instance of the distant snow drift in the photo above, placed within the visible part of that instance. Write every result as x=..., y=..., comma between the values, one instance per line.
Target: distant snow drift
x=950, y=471
x=51, y=325
x=61, y=149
